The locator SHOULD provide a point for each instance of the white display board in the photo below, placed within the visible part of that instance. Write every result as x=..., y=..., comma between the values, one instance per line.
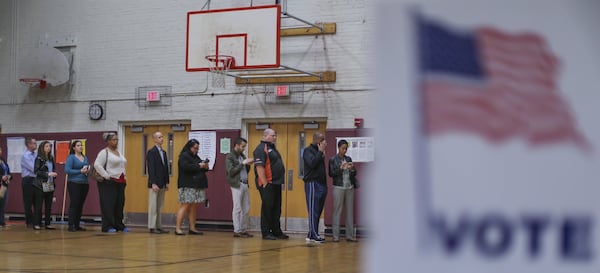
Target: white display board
x=15, y=148
x=208, y=145
x=360, y=149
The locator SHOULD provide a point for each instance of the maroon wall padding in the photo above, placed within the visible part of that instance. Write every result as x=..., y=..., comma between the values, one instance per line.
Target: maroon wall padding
x=218, y=192
x=361, y=167
x=94, y=144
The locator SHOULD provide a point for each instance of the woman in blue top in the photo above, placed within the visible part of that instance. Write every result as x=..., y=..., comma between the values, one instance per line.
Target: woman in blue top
x=77, y=167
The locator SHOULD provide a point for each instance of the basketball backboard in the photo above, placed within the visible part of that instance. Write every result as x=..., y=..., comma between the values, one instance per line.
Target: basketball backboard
x=250, y=35
x=44, y=63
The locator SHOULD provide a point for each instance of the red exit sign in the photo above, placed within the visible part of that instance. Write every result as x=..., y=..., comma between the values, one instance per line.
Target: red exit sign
x=152, y=96
x=282, y=91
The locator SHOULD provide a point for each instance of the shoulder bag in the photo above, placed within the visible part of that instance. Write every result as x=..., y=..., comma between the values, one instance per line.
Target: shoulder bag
x=94, y=174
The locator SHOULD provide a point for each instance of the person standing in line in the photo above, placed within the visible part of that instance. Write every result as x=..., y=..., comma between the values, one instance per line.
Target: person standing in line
x=111, y=191
x=269, y=176
x=315, y=184
x=343, y=173
x=237, y=167
x=6, y=177
x=157, y=165
x=77, y=168
x=191, y=185
x=28, y=176
x=45, y=170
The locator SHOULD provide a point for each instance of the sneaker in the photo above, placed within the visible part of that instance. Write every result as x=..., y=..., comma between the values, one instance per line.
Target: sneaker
x=248, y=235
x=238, y=235
x=317, y=240
x=36, y=227
x=126, y=230
x=111, y=230
x=50, y=227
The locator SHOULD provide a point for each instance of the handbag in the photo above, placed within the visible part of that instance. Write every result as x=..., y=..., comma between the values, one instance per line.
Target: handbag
x=47, y=186
x=94, y=174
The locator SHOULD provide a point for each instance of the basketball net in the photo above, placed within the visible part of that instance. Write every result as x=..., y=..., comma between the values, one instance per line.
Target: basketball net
x=219, y=67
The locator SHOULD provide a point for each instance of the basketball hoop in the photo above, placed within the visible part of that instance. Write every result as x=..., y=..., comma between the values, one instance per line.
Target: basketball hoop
x=219, y=67
x=34, y=82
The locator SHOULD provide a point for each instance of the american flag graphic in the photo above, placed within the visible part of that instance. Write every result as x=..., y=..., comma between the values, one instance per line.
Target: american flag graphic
x=492, y=84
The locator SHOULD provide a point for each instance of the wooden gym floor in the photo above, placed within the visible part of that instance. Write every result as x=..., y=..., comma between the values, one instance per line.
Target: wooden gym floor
x=26, y=250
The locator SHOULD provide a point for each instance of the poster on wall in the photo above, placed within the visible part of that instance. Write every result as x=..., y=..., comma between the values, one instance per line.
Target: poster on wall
x=208, y=145
x=15, y=148
x=62, y=151
x=225, y=145
x=360, y=149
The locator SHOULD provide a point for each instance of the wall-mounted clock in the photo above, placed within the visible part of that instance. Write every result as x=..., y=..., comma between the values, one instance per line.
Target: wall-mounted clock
x=96, y=111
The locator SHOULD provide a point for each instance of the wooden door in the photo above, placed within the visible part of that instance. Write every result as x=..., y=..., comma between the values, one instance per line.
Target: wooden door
x=291, y=139
x=136, y=146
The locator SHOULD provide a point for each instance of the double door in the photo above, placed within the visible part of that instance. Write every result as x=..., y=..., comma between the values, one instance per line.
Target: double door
x=136, y=143
x=292, y=138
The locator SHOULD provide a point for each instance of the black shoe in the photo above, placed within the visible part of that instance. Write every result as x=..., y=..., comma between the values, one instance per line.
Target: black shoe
x=191, y=232
x=269, y=237
x=162, y=231
x=72, y=229
x=155, y=231
x=177, y=233
x=81, y=229
x=282, y=236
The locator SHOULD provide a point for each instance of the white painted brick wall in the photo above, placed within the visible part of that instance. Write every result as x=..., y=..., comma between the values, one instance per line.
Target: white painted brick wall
x=122, y=45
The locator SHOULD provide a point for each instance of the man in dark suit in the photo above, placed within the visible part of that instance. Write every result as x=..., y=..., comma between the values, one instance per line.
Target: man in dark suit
x=157, y=164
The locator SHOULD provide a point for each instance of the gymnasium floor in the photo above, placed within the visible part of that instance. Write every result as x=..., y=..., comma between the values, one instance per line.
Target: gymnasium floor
x=26, y=250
